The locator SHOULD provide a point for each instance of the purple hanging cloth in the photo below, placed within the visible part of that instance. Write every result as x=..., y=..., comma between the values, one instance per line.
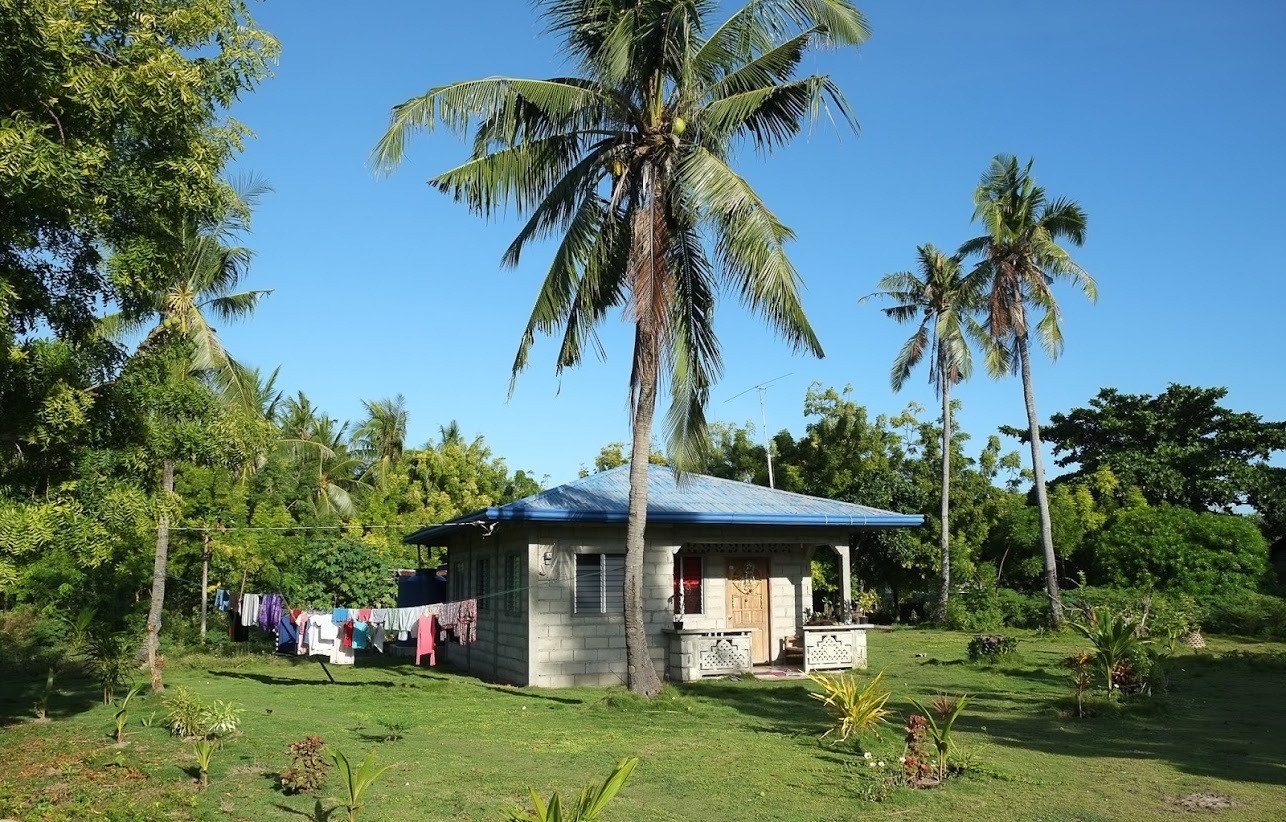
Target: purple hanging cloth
x=270, y=611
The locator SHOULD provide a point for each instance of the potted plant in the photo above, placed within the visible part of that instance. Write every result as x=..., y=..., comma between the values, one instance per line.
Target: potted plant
x=865, y=604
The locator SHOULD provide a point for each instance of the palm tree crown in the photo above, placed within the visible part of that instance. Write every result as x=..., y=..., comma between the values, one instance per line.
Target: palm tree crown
x=1021, y=258
x=203, y=284
x=628, y=164
x=943, y=299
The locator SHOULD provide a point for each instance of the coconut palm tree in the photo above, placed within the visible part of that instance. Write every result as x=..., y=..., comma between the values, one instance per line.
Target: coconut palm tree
x=381, y=439
x=202, y=283
x=941, y=296
x=628, y=165
x=1021, y=259
x=319, y=444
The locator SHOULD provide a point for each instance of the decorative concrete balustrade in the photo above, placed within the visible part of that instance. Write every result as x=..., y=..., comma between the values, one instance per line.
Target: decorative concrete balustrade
x=694, y=654
x=834, y=647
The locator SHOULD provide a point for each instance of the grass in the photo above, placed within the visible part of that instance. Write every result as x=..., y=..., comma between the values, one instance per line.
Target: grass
x=719, y=750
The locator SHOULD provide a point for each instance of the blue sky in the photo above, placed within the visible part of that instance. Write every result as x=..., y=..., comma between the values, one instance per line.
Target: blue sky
x=1164, y=119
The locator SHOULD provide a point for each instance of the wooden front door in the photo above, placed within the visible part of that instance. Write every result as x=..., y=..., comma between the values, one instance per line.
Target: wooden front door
x=748, y=603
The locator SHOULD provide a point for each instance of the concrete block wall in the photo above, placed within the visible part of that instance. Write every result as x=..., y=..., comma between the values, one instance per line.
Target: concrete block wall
x=501, y=650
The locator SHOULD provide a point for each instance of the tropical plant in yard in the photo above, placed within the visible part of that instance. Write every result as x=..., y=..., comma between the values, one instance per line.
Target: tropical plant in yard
x=200, y=286
x=205, y=748
x=1020, y=259
x=628, y=166
x=307, y=771
x=42, y=703
x=858, y=708
x=942, y=297
x=108, y=656
x=356, y=782
x=940, y=719
x=1116, y=641
x=121, y=715
x=1080, y=664
x=588, y=808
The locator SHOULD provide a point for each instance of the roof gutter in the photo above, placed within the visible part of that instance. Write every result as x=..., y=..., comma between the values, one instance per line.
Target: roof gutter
x=495, y=514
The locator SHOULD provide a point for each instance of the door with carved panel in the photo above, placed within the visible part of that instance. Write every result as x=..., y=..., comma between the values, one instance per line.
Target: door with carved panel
x=748, y=603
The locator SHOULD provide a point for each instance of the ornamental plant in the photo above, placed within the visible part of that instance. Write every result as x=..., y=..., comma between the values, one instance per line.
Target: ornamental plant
x=356, y=781
x=948, y=710
x=588, y=808
x=308, y=766
x=857, y=708
x=1116, y=644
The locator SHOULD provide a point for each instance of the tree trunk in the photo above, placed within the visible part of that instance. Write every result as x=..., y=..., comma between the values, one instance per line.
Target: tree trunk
x=1042, y=495
x=945, y=538
x=205, y=581
x=638, y=657
x=158, y=576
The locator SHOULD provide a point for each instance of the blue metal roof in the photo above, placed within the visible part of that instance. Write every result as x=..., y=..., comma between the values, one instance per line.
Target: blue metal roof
x=694, y=499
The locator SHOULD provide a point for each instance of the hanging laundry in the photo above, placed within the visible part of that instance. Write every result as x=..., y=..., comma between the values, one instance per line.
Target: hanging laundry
x=342, y=656
x=467, y=631
x=346, y=634
x=379, y=615
x=287, y=635
x=270, y=611
x=340, y=616
x=360, y=633
x=249, y=610
x=222, y=599
x=364, y=614
x=237, y=632
x=301, y=624
x=425, y=636
x=323, y=637
x=377, y=637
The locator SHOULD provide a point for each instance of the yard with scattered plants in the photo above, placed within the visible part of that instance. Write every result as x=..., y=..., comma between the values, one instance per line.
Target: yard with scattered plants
x=1213, y=743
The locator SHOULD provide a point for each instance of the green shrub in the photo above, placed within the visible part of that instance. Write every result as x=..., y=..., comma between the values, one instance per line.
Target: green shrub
x=991, y=608
x=30, y=641
x=991, y=648
x=1247, y=614
x=1169, y=548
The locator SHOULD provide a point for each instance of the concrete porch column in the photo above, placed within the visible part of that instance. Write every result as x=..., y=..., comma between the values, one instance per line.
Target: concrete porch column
x=845, y=573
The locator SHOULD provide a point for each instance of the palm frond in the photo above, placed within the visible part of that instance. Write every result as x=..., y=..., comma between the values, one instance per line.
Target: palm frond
x=455, y=106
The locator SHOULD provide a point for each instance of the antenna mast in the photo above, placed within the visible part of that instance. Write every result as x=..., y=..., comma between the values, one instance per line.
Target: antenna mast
x=762, y=388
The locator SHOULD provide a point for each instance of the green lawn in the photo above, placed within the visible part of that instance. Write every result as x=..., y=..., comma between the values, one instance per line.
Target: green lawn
x=725, y=750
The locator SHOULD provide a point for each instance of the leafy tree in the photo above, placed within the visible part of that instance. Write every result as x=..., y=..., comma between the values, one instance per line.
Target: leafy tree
x=613, y=455
x=1021, y=259
x=341, y=571
x=114, y=121
x=1167, y=547
x=199, y=282
x=941, y=297
x=1181, y=447
x=629, y=164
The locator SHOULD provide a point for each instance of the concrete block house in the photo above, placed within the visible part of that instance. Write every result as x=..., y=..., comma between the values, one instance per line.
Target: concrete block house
x=727, y=579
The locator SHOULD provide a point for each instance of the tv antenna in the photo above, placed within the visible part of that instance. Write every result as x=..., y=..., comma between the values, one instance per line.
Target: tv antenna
x=762, y=388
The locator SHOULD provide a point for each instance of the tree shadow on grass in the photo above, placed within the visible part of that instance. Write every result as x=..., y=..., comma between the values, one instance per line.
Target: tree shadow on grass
x=501, y=689
x=266, y=679
x=73, y=694
x=778, y=708
x=1222, y=719
x=318, y=813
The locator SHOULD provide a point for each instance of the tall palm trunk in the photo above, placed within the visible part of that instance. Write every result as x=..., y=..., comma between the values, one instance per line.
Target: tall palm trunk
x=152, y=641
x=205, y=581
x=1042, y=495
x=642, y=674
x=945, y=538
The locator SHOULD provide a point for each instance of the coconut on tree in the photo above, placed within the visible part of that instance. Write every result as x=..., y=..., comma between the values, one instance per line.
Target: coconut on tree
x=628, y=164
